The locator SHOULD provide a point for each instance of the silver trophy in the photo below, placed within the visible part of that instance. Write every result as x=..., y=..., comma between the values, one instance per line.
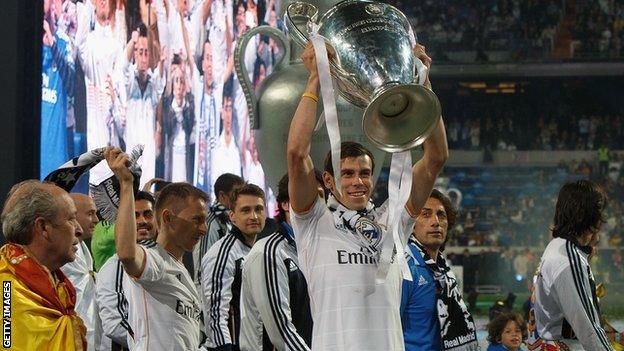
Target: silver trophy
x=373, y=65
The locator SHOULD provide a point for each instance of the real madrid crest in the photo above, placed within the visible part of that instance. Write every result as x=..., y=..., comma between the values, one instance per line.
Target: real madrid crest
x=373, y=9
x=369, y=230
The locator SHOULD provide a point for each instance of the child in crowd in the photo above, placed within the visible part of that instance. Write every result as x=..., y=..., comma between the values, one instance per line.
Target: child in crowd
x=506, y=332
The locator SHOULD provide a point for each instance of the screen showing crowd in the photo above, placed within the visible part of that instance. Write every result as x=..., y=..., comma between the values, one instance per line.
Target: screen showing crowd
x=157, y=73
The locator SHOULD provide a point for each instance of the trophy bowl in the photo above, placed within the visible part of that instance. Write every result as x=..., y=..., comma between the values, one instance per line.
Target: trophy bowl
x=374, y=67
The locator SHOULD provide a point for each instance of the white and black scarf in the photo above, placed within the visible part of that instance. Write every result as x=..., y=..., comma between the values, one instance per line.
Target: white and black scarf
x=362, y=225
x=105, y=193
x=67, y=175
x=457, y=328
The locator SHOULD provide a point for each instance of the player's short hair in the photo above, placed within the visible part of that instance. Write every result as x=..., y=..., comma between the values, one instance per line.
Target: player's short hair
x=497, y=325
x=175, y=197
x=349, y=149
x=198, y=60
x=25, y=202
x=227, y=90
x=144, y=195
x=142, y=30
x=579, y=209
x=226, y=182
x=247, y=189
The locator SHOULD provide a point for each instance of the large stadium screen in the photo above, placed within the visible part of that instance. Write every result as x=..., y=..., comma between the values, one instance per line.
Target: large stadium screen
x=157, y=73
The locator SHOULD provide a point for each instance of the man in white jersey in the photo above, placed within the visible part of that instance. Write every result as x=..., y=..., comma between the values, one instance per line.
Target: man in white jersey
x=240, y=115
x=164, y=309
x=80, y=271
x=112, y=302
x=174, y=18
x=222, y=266
x=219, y=26
x=335, y=253
x=226, y=156
x=565, y=302
x=252, y=168
x=208, y=93
x=144, y=87
x=101, y=57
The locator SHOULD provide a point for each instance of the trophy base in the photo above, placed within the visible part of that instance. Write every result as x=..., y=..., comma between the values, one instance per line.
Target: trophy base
x=401, y=117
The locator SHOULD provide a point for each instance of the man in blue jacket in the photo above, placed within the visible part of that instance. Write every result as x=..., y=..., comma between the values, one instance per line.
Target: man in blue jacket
x=433, y=314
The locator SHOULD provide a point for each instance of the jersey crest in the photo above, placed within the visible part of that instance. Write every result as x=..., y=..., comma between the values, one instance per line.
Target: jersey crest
x=369, y=230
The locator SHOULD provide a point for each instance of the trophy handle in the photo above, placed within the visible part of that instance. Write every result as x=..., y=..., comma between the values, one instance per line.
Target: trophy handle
x=299, y=10
x=422, y=70
x=241, y=69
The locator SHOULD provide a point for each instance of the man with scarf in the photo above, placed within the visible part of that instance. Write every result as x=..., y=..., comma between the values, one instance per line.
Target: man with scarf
x=222, y=266
x=39, y=223
x=338, y=244
x=219, y=223
x=433, y=314
x=274, y=296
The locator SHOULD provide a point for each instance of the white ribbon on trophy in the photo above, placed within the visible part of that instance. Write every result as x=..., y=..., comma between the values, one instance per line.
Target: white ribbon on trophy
x=329, y=101
x=399, y=189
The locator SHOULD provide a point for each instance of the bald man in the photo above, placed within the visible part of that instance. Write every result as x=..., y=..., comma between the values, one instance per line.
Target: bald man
x=80, y=271
x=40, y=226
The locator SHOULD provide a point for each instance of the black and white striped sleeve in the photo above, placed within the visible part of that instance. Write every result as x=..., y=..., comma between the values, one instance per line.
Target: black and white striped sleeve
x=574, y=290
x=216, y=283
x=275, y=294
x=112, y=304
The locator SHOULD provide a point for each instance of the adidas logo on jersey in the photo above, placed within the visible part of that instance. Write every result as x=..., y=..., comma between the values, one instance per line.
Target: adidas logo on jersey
x=292, y=267
x=422, y=281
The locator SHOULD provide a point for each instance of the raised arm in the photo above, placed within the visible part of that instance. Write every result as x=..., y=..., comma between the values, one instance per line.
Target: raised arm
x=302, y=184
x=187, y=42
x=129, y=50
x=130, y=254
x=162, y=22
x=426, y=170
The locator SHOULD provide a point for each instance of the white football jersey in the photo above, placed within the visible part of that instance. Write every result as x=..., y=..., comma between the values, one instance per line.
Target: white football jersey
x=164, y=309
x=349, y=311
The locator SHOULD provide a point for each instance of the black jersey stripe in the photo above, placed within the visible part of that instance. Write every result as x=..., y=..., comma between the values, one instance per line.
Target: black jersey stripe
x=122, y=303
